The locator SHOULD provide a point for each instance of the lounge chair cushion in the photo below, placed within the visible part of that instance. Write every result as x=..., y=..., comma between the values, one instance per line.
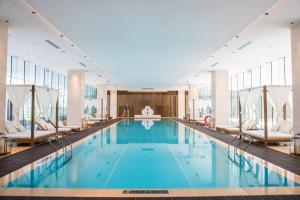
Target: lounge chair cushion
x=27, y=134
x=274, y=135
x=10, y=127
x=43, y=124
x=248, y=125
x=286, y=127
x=60, y=124
x=21, y=128
x=72, y=127
x=64, y=129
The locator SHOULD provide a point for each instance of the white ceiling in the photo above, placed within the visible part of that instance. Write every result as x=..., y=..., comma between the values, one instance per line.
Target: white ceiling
x=27, y=35
x=269, y=36
x=145, y=43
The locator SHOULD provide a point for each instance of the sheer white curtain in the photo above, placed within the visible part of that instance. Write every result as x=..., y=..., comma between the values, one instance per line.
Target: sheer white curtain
x=279, y=96
x=43, y=101
x=53, y=95
x=244, y=97
x=252, y=102
x=18, y=96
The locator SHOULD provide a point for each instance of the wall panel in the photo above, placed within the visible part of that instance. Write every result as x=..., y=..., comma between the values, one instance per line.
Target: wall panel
x=163, y=103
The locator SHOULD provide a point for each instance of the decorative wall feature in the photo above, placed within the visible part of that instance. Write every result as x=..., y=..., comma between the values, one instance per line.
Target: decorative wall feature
x=162, y=103
x=147, y=111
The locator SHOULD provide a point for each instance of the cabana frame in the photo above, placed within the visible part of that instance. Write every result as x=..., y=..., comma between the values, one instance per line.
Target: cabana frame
x=266, y=138
x=33, y=139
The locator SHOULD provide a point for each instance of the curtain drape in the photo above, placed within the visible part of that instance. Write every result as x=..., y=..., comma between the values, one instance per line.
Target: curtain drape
x=279, y=96
x=53, y=95
x=18, y=96
x=43, y=101
x=244, y=97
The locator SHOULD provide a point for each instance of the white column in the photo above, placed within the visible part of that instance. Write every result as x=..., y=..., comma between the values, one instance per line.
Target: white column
x=75, y=107
x=3, y=66
x=193, y=97
x=181, y=104
x=102, y=98
x=220, y=97
x=113, y=103
x=295, y=39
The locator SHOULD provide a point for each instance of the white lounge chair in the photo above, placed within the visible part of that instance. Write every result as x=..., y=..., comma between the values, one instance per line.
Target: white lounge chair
x=62, y=126
x=280, y=133
x=50, y=127
x=234, y=129
x=22, y=135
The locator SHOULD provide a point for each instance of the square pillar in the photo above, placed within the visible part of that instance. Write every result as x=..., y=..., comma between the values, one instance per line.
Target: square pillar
x=113, y=103
x=76, y=97
x=102, y=100
x=295, y=39
x=3, y=69
x=193, y=98
x=220, y=97
x=181, y=104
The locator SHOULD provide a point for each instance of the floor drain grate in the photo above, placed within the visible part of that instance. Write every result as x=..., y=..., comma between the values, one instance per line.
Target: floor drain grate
x=145, y=191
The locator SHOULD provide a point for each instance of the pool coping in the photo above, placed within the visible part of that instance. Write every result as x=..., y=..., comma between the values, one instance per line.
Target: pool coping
x=198, y=192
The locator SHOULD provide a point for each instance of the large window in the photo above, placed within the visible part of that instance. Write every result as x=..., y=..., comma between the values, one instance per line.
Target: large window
x=24, y=72
x=90, y=92
x=204, y=104
x=277, y=72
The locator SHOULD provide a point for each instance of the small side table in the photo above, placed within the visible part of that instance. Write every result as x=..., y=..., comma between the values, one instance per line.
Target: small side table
x=5, y=145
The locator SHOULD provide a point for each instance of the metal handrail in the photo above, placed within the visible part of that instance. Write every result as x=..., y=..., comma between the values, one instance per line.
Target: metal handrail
x=238, y=140
x=67, y=140
x=58, y=138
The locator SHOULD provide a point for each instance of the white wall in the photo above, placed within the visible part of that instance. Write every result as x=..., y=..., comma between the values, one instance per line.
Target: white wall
x=3, y=68
x=220, y=97
x=181, y=104
x=75, y=107
x=295, y=39
x=113, y=103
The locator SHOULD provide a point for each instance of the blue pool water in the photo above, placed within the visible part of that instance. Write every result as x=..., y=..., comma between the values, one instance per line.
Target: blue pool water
x=165, y=155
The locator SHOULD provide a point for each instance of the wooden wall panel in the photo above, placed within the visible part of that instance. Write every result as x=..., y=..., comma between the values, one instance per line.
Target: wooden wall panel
x=163, y=103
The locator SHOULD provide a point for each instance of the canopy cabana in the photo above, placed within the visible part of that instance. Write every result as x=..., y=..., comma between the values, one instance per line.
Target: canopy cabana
x=44, y=97
x=278, y=97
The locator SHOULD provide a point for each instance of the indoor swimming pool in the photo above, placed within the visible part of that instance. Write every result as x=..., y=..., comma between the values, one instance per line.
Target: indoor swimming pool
x=147, y=154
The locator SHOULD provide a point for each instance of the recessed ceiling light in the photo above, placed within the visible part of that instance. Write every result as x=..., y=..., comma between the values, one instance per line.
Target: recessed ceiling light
x=52, y=44
x=244, y=45
x=82, y=64
x=215, y=64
